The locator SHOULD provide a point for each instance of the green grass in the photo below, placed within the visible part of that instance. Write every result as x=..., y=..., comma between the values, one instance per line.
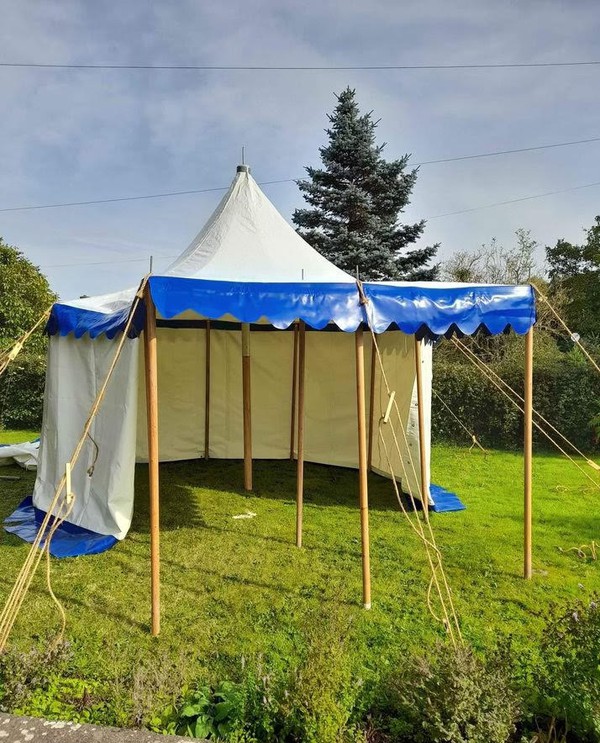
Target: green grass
x=239, y=588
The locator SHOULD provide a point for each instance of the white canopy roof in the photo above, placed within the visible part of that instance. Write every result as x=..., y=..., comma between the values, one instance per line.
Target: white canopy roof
x=245, y=239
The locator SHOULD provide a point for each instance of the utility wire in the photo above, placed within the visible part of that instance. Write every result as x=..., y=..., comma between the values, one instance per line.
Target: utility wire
x=514, y=201
x=129, y=198
x=297, y=68
x=105, y=263
x=293, y=180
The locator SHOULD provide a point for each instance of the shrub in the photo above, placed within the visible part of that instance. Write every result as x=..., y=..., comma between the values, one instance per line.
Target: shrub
x=566, y=678
x=452, y=696
x=565, y=392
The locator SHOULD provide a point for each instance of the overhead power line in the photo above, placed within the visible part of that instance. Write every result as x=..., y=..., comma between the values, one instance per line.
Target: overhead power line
x=514, y=201
x=435, y=216
x=298, y=68
x=106, y=263
x=128, y=198
x=290, y=180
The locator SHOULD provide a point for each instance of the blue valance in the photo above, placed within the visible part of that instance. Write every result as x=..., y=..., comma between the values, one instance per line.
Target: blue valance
x=432, y=309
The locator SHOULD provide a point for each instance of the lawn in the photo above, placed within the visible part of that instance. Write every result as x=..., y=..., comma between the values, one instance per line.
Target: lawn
x=234, y=590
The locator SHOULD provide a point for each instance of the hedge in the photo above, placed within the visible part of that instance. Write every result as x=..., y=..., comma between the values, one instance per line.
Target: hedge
x=566, y=392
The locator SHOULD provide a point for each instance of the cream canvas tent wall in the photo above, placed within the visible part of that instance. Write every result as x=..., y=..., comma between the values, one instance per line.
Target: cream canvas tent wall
x=246, y=288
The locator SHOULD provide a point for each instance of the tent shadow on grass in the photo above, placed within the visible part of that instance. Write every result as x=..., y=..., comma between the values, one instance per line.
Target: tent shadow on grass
x=325, y=486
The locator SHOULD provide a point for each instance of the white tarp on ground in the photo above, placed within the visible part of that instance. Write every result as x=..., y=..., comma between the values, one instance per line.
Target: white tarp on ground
x=25, y=454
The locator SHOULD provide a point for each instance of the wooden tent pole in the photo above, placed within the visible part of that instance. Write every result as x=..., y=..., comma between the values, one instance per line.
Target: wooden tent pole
x=150, y=364
x=362, y=467
x=371, y=405
x=421, y=416
x=247, y=406
x=300, y=477
x=528, y=455
x=207, y=392
x=294, y=387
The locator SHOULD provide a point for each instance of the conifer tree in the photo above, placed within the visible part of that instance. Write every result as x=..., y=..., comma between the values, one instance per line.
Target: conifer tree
x=355, y=201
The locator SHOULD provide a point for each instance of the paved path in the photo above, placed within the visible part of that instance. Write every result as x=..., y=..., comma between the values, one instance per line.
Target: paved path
x=33, y=730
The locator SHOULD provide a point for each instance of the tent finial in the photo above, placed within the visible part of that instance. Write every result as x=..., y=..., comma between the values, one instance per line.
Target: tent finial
x=243, y=168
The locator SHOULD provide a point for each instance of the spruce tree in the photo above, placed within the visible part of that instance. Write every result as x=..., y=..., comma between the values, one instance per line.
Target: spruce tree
x=355, y=201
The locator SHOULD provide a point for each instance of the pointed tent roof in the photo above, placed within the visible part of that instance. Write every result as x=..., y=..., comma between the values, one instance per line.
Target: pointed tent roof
x=247, y=239
x=249, y=263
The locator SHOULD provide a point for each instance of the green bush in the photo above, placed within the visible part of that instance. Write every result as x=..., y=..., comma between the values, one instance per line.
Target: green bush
x=22, y=392
x=451, y=696
x=566, y=391
x=565, y=681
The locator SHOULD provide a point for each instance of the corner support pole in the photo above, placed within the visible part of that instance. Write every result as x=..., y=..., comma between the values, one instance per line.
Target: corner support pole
x=294, y=392
x=150, y=364
x=421, y=415
x=362, y=467
x=300, y=475
x=207, y=392
x=247, y=406
x=528, y=455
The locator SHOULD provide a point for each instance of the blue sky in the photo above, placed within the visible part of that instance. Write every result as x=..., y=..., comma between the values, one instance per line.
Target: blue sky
x=69, y=135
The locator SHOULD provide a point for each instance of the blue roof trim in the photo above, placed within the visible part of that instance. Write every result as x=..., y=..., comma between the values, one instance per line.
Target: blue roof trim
x=280, y=303
x=65, y=319
x=408, y=307
x=424, y=310
x=441, y=309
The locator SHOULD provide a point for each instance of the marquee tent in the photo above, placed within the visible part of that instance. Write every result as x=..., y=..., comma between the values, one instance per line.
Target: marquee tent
x=253, y=348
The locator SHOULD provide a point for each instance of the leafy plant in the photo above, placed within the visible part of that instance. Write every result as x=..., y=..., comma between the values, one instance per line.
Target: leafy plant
x=205, y=712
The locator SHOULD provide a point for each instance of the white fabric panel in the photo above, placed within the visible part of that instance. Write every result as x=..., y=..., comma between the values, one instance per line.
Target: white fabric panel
x=181, y=375
x=245, y=239
x=398, y=357
x=75, y=373
x=330, y=403
x=331, y=435
x=181, y=394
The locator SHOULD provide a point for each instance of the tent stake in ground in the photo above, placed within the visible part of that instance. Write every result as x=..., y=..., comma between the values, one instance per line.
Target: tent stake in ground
x=150, y=359
x=528, y=453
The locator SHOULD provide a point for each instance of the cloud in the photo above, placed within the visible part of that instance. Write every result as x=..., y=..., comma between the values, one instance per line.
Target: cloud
x=78, y=135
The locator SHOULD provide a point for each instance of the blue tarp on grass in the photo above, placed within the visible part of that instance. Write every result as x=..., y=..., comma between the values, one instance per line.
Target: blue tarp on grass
x=68, y=540
x=444, y=500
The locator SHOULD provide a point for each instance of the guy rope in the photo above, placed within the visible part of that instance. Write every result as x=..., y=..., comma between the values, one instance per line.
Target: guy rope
x=62, y=501
x=10, y=354
x=422, y=528
x=516, y=399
